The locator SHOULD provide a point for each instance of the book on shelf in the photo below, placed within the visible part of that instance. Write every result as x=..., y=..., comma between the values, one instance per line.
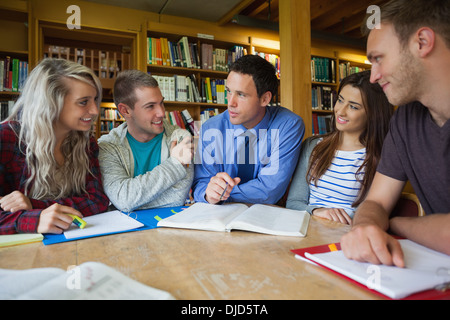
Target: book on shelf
x=6, y=108
x=110, y=114
x=13, y=73
x=321, y=124
x=88, y=281
x=346, y=69
x=323, y=70
x=273, y=59
x=161, y=51
x=109, y=64
x=187, y=118
x=208, y=113
x=237, y=216
x=185, y=89
x=323, y=97
x=183, y=120
x=182, y=53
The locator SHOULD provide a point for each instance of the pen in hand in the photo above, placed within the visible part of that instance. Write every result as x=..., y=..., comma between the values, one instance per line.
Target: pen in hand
x=224, y=190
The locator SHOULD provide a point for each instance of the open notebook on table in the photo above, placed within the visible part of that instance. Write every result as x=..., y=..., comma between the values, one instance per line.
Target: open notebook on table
x=112, y=222
x=425, y=273
x=257, y=218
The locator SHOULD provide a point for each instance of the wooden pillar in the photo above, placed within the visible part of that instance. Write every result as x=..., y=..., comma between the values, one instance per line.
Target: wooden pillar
x=295, y=45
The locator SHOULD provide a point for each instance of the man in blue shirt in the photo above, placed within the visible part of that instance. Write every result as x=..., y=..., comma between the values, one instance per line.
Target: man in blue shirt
x=249, y=152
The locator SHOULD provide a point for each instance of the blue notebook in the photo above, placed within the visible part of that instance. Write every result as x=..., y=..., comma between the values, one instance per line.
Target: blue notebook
x=149, y=218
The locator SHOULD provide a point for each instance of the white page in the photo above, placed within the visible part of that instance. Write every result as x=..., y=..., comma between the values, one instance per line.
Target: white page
x=422, y=270
x=14, y=283
x=272, y=220
x=103, y=223
x=204, y=216
x=89, y=281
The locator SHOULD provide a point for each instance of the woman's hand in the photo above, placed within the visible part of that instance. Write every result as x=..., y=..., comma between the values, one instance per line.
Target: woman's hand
x=15, y=201
x=334, y=214
x=56, y=219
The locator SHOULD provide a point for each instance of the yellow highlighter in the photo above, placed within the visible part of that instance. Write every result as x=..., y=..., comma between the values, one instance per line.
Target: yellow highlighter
x=80, y=223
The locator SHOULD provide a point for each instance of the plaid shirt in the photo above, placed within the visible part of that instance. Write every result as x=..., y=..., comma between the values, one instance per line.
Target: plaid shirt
x=13, y=174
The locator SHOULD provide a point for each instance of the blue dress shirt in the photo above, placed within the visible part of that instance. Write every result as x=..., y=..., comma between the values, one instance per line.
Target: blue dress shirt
x=273, y=154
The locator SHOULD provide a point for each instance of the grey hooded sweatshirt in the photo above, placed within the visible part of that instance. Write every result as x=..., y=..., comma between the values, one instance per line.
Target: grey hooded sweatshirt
x=167, y=185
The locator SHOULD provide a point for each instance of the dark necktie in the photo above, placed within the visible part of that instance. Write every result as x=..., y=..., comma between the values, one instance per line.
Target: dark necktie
x=245, y=170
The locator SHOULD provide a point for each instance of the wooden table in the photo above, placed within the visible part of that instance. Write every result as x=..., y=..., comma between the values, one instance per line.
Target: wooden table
x=193, y=264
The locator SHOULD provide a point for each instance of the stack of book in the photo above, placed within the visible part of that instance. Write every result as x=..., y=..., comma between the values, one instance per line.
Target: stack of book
x=13, y=73
x=321, y=124
x=5, y=109
x=346, y=69
x=183, y=120
x=185, y=89
x=186, y=54
x=323, y=98
x=323, y=70
x=273, y=59
x=163, y=52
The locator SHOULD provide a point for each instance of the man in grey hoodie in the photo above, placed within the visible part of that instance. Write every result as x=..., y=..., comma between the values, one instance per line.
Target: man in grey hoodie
x=145, y=161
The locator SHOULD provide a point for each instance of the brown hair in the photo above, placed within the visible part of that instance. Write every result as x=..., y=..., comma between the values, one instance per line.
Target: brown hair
x=379, y=112
x=409, y=15
x=126, y=83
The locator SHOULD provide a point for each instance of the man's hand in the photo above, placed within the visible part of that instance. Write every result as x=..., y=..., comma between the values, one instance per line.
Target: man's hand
x=183, y=151
x=369, y=243
x=220, y=187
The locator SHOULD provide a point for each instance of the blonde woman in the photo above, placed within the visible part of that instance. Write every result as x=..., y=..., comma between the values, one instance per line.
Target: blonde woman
x=48, y=159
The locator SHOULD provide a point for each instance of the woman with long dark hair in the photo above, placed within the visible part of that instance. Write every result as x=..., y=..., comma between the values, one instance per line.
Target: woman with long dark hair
x=335, y=170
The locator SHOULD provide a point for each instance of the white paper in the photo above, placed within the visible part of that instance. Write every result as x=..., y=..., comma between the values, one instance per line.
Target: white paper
x=103, y=223
x=272, y=220
x=422, y=271
x=204, y=216
x=89, y=281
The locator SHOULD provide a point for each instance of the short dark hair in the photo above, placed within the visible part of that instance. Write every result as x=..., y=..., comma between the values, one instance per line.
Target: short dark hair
x=409, y=15
x=261, y=70
x=126, y=83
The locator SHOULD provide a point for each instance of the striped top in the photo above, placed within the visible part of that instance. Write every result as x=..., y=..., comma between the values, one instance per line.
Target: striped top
x=339, y=186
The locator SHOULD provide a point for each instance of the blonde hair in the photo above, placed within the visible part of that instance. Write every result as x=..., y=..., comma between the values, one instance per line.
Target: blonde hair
x=37, y=110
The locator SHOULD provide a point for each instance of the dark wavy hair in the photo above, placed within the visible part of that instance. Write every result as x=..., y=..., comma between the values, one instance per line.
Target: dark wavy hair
x=379, y=112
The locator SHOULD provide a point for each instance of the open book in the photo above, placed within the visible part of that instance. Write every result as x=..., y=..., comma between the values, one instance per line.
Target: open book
x=425, y=269
x=89, y=281
x=258, y=218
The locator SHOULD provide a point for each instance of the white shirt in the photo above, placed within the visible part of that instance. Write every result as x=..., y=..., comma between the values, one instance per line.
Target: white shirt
x=339, y=186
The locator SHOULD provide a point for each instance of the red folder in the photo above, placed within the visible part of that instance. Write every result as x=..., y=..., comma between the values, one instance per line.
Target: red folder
x=431, y=294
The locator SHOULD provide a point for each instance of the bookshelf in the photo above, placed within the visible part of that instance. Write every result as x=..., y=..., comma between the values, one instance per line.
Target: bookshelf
x=269, y=50
x=191, y=70
x=109, y=118
x=328, y=68
x=13, y=55
x=106, y=52
x=324, y=86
